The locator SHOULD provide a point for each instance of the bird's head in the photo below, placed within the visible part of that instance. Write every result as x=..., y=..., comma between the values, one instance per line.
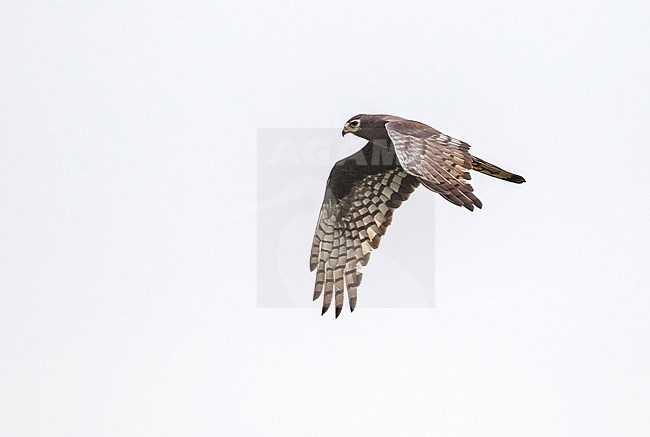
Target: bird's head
x=368, y=126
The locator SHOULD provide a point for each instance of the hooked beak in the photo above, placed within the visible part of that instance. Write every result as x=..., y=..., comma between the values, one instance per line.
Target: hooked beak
x=345, y=130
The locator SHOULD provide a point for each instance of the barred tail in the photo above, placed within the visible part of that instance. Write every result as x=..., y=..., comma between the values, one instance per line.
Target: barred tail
x=492, y=170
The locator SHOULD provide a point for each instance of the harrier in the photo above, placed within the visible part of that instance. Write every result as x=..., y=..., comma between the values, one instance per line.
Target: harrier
x=365, y=188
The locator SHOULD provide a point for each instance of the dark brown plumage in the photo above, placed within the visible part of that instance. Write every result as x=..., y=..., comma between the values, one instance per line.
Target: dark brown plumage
x=365, y=188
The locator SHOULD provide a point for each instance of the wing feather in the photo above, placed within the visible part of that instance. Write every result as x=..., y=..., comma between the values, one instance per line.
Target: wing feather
x=442, y=162
x=350, y=225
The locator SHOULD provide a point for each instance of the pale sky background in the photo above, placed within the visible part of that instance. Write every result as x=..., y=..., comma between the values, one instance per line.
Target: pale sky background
x=128, y=302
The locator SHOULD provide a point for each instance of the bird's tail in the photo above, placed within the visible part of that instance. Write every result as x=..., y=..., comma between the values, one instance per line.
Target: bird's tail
x=492, y=170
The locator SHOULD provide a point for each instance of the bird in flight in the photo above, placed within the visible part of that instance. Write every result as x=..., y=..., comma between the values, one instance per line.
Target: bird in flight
x=365, y=188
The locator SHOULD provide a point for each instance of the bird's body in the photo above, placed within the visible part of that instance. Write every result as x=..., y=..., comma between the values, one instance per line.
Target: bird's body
x=365, y=188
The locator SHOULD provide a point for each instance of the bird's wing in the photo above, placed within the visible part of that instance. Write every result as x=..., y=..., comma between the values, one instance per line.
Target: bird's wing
x=438, y=160
x=357, y=209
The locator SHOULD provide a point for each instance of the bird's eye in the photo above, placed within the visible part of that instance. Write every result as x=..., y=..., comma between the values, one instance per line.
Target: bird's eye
x=354, y=123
